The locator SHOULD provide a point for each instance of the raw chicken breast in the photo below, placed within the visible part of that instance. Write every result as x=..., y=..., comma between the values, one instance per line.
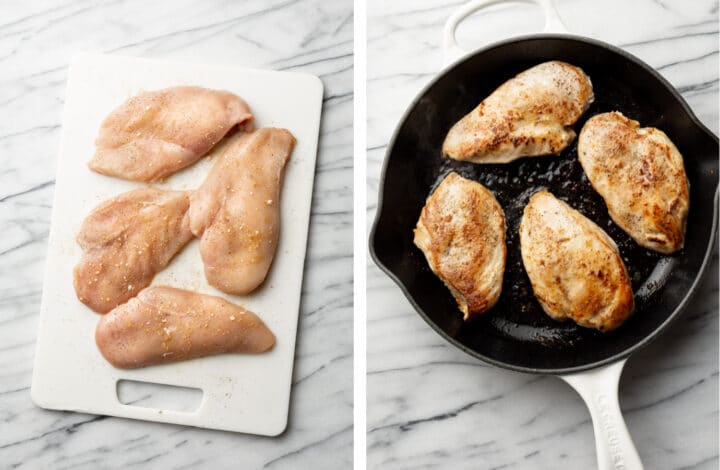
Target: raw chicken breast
x=163, y=324
x=640, y=174
x=236, y=211
x=126, y=241
x=157, y=133
x=461, y=231
x=529, y=115
x=574, y=267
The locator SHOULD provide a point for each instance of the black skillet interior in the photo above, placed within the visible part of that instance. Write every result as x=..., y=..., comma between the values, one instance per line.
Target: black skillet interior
x=516, y=334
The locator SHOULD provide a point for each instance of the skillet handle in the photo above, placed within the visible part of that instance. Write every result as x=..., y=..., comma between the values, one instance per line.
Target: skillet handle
x=453, y=51
x=599, y=389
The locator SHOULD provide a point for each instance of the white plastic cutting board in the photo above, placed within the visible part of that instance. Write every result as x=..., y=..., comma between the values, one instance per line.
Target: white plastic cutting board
x=244, y=393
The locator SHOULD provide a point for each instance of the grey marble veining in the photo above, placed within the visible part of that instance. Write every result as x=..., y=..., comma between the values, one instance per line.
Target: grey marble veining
x=432, y=406
x=36, y=41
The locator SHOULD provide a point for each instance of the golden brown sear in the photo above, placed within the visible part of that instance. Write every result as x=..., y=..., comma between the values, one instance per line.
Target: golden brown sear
x=640, y=174
x=574, y=267
x=528, y=115
x=461, y=231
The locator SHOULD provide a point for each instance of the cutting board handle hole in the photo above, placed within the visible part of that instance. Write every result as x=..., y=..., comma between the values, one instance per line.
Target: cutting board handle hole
x=159, y=396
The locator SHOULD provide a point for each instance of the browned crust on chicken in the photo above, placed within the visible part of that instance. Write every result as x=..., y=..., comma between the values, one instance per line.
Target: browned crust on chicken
x=528, y=115
x=574, y=267
x=640, y=174
x=461, y=231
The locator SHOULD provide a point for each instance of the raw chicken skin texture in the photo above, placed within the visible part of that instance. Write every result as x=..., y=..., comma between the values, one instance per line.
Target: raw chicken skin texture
x=164, y=324
x=126, y=241
x=236, y=211
x=574, y=267
x=461, y=232
x=528, y=115
x=640, y=174
x=157, y=133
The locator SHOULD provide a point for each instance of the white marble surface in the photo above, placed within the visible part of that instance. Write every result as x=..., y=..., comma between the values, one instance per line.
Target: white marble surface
x=36, y=41
x=432, y=406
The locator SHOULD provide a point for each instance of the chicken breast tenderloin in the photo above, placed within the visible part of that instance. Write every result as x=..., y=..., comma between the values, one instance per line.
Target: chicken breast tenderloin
x=640, y=174
x=157, y=133
x=528, y=115
x=163, y=324
x=126, y=241
x=236, y=211
x=574, y=267
x=461, y=232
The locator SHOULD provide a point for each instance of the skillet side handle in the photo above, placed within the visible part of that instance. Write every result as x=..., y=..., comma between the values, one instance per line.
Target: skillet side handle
x=599, y=389
x=453, y=51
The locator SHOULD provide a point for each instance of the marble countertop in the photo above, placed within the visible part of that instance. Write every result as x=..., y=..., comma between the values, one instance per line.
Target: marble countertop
x=432, y=406
x=37, y=39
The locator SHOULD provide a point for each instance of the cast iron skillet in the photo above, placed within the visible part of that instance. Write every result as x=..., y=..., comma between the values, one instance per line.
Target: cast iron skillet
x=516, y=334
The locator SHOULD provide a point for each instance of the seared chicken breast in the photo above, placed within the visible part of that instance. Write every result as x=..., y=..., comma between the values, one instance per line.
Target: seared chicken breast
x=236, y=211
x=574, y=267
x=640, y=174
x=461, y=231
x=529, y=115
x=164, y=324
x=157, y=133
x=126, y=241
